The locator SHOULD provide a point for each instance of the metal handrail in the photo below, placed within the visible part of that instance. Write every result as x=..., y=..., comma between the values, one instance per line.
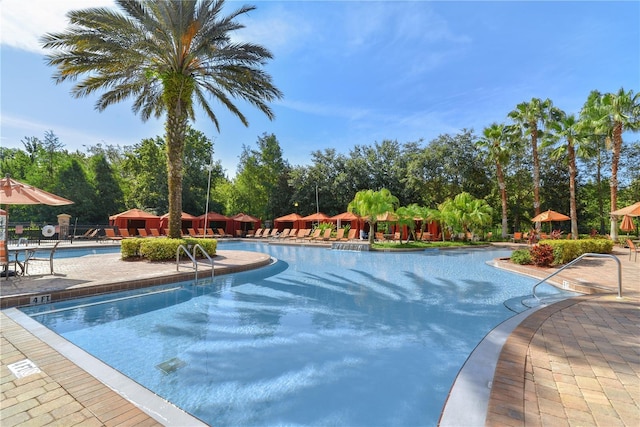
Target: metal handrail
x=578, y=259
x=193, y=259
x=197, y=246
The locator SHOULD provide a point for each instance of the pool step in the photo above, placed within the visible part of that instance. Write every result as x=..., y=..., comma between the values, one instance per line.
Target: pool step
x=525, y=302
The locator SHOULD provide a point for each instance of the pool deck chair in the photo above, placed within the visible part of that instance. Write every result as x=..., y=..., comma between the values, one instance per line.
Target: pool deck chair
x=339, y=236
x=222, y=233
x=314, y=235
x=155, y=232
x=256, y=233
x=265, y=233
x=632, y=249
x=142, y=232
x=284, y=234
x=32, y=258
x=352, y=234
x=124, y=233
x=110, y=234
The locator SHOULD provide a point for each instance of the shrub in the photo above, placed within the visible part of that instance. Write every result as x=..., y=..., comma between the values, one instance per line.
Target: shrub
x=542, y=255
x=163, y=249
x=567, y=250
x=521, y=256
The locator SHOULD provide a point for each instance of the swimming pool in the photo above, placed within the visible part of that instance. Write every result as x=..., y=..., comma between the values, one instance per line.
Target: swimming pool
x=322, y=337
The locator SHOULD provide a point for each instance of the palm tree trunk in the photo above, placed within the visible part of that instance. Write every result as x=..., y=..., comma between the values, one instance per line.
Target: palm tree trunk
x=536, y=171
x=503, y=198
x=572, y=189
x=175, y=128
x=613, y=183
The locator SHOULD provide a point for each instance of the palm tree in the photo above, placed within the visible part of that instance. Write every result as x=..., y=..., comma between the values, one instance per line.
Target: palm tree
x=611, y=115
x=167, y=55
x=369, y=204
x=496, y=139
x=570, y=129
x=531, y=117
x=464, y=213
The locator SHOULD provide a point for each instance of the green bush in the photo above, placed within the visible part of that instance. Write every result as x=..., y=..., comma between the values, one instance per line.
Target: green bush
x=566, y=251
x=163, y=249
x=521, y=256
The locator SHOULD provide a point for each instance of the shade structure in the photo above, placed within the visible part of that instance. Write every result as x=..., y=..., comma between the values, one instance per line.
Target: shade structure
x=387, y=217
x=186, y=218
x=293, y=220
x=549, y=216
x=631, y=210
x=133, y=219
x=14, y=192
x=627, y=224
x=243, y=217
x=243, y=222
x=215, y=220
x=319, y=216
x=346, y=216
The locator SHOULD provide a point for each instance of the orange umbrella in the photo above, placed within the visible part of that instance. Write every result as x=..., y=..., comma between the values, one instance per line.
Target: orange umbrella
x=550, y=216
x=627, y=224
x=631, y=210
x=14, y=192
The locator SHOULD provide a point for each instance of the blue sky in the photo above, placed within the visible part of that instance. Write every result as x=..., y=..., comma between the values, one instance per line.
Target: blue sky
x=352, y=72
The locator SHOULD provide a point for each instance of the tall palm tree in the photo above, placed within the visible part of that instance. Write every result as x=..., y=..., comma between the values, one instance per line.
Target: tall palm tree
x=369, y=204
x=531, y=118
x=496, y=138
x=464, y=213
x=612, y=114
x=165, y=55
x=570, y=129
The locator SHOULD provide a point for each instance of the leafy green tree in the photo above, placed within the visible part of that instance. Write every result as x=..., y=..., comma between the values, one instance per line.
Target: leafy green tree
x=108, y=194
x=198, y=157
x=464, y=213
x=369, y=204
x=145, y=167
x=531, y=118
x=72, y=183
x=164, y=54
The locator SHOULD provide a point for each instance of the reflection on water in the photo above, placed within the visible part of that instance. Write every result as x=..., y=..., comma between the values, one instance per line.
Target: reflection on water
x=320, y=338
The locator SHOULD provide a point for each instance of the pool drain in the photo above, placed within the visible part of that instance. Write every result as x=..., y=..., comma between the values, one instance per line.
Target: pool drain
x=171, y=365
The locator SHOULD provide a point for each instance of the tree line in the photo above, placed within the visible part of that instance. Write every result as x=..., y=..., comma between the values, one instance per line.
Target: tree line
x=575, y=155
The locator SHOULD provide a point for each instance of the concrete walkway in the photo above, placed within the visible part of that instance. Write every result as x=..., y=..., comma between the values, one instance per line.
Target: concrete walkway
x=576, y=362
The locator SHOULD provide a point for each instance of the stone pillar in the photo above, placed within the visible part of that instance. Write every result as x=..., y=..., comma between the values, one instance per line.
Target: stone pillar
x=63, y=224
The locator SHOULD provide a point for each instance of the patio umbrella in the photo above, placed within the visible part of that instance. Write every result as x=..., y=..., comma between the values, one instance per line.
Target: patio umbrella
x=14, y=192
x=550, y=216
x=631, y=210
x=627, y=224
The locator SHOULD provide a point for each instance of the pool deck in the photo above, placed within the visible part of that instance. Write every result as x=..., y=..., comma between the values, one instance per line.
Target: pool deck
x=575, y=362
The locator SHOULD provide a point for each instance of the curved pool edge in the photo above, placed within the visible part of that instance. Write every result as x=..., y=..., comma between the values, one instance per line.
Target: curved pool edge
x=161, y=410
x=468, y=400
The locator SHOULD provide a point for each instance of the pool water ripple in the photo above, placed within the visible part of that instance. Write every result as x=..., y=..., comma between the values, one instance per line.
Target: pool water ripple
x=321, y=338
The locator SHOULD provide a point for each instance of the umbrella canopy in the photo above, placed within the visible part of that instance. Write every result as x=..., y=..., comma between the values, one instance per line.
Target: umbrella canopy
x=549, y=216
x=632, y=210
x=243, y=217
x=292, y=217
x=315, y=217
x=627, y=224
x=14, y=192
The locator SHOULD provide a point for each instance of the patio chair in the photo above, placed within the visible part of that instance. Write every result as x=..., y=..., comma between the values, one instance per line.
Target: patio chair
x=632, y=249
x=352, y=234
x=256, y=233
x=32, y=258
x=265, y=233
x=285, y=233
x=314, y=235
x=339, y=235
x=86, y=235
x=325, y=236
x=124, y=232
x=517, y=237
x=110, y=234
x=155, y=232
x=142, y=232
x=292, y=234
x=222, y=233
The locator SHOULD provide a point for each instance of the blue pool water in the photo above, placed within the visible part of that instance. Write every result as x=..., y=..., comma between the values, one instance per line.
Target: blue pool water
x=321, y=337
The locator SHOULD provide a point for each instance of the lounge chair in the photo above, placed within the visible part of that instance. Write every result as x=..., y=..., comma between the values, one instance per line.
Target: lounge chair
x=256, y=233
x=110, y=234
x=273, y=233
x=352, y=234
x=396, y=236
x=31, y=258
x=142, y=232
x=632, y=249
x=211, y=233
x=285, y=233
x=90, y=234
x=314, y=235
x=517, y=237
x=192, y=232
x=125, y=233
x=265, y=233
x=292, y=234
x=223, y=233
x=339, y=236
x=155, y=232
x=379, y=236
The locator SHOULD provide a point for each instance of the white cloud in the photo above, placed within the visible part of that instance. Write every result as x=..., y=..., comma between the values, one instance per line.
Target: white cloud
x=24, y=22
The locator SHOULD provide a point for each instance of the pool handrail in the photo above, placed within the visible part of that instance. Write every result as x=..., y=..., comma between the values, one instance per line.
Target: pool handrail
x=193, y=258
x=588, y=254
